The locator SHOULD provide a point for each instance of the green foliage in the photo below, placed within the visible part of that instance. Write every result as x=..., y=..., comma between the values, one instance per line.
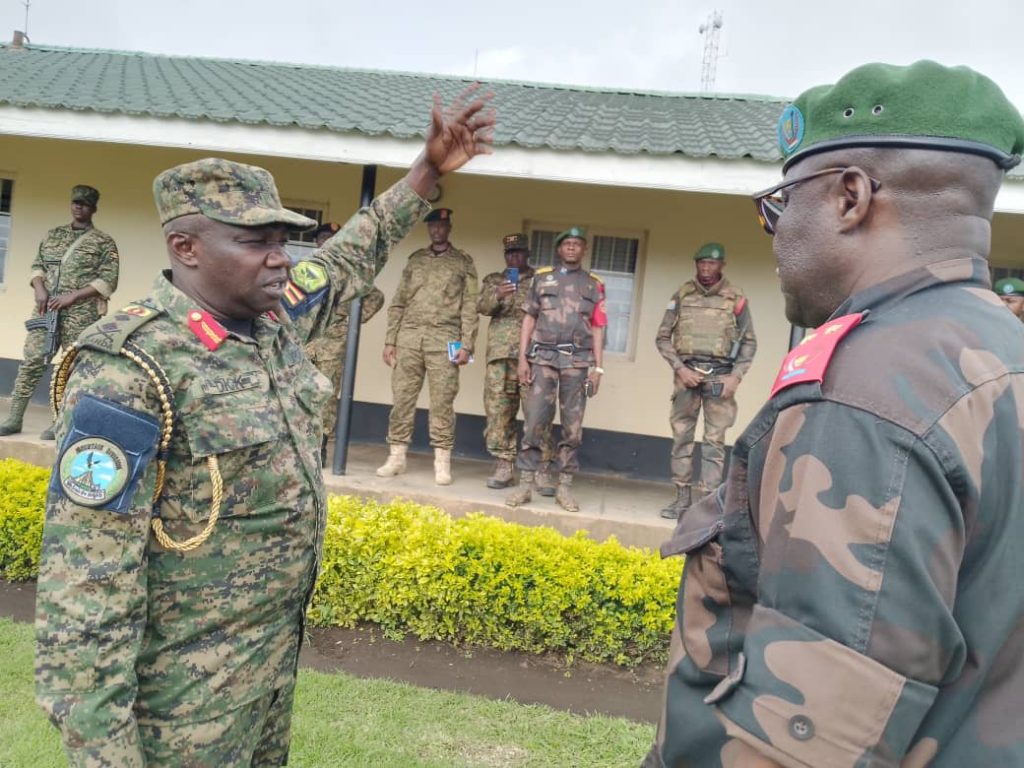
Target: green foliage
x=22, y=508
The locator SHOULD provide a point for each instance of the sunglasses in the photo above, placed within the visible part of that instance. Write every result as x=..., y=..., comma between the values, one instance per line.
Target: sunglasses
x=770, y=204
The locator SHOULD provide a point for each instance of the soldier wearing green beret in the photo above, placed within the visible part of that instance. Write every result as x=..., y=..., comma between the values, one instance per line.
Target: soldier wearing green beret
x=852, y=594
x=707, y=336
x=73, y=275
x=1010, y=291
x=185, y=518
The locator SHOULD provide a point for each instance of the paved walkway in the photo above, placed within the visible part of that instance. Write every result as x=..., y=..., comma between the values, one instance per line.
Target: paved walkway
x=609, y=506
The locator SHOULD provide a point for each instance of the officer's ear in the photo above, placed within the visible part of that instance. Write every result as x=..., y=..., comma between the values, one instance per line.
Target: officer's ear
x=856, y=191
x=182, y=240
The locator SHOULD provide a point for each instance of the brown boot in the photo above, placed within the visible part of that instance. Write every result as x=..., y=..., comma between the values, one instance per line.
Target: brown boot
x=502, y=475
x=395, y=465
x=563, y=494
x=442, y=466
x=13, y=424
x=524, y=493
x=676, y=509
x=545, y=481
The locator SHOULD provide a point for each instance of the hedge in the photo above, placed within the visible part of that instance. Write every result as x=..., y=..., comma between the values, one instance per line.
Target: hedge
x=474, y=580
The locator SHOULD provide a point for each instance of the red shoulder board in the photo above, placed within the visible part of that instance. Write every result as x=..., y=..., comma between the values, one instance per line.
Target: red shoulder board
x=809, y=359
x=739, y=306
x=206, y=329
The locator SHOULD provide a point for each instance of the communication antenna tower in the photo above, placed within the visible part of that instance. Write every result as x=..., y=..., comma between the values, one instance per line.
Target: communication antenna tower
x=711, y=29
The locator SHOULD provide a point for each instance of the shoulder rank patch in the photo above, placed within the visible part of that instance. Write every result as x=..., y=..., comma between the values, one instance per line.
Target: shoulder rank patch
x=104, y=454
x=298, y=302
x=596, y=277
x=108, y=334
x=206, y=328
x=809, y=359
x=543, y=270
x=310, y=276
x=738, y=309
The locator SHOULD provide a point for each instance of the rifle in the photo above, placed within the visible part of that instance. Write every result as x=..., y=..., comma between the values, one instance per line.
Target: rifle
x=51, y=322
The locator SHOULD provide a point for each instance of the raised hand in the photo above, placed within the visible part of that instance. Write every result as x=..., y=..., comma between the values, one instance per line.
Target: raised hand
x=459, y=132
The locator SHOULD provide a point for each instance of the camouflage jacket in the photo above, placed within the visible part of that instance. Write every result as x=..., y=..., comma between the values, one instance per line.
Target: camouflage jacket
x=128, y=631
x=336, y=334
x=93, y=261
x=712, y=318
x=506, y=315
x=435, y=302
x=853, y=594
x=568, y=304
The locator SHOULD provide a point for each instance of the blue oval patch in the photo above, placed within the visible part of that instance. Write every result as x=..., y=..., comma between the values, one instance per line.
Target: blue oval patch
x=791, y=129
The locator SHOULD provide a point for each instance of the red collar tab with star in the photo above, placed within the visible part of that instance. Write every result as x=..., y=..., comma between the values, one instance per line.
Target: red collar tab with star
x=206, y=329
x=808, y=360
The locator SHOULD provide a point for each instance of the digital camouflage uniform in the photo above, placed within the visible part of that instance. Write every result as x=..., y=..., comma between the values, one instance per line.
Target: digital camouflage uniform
x=836, y=606
x=148, y=655
x=435, y=303
x=68, y=259
x=566, y=303
x=701, y=324
x=327, y=353
x=502, y=391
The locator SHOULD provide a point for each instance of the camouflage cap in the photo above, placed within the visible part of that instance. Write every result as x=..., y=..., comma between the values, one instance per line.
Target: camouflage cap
x=578, y=232
x=224, y=191
x=925, y=106
x=713, y=251
x=1009, y=286
x=515, y=242
x=83, y=193
x=439, y=214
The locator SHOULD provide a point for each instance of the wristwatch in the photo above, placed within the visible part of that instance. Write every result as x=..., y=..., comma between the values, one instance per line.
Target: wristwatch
x=598, y=369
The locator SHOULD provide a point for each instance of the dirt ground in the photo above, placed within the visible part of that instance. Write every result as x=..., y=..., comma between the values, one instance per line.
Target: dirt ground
x=364, y=652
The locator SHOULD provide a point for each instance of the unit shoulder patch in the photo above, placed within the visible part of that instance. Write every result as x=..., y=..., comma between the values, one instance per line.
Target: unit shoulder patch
x=310, y=276
x=108, y=334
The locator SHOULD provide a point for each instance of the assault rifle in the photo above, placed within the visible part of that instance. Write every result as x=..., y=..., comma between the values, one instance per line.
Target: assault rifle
x=51, y=322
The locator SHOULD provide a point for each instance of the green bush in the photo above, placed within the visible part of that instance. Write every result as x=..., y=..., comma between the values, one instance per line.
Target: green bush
x=476, y=580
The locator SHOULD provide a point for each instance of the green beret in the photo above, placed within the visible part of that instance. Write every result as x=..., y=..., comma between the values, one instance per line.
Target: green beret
x=1009, y=286
x=577, y=232
x=923, y=106
x=516, y=242
x=439, y=214
x=224, y=191
x=714, y=251
x=83, y=193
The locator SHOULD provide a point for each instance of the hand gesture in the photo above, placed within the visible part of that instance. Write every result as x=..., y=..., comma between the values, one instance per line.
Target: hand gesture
x=459, y=132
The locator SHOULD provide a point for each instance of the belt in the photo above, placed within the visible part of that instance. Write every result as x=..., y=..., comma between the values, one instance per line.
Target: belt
x=708, y=367
x=562, y=349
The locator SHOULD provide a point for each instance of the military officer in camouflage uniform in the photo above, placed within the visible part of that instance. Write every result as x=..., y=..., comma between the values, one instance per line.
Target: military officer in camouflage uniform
x=561, y=348
x=327, y=353
x=186, y=511
x=707, y=336
x=501, y=299
x=73, y=274
x=433, y=309
x=852, y=594
x=1010, y=290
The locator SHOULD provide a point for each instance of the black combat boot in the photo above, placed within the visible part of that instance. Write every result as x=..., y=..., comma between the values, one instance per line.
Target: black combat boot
x=676, y=509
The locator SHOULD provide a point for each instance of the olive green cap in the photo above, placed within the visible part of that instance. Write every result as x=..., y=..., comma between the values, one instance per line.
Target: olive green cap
x=714, y=251
x=83, y=193
x=1009, y=286
x=225, y=191
x=578, y=232
x=924, y=106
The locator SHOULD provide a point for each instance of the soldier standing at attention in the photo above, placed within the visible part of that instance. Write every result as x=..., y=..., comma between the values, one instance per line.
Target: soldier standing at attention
x=501, y=298
x=73, y=274
x=327, y=353
x=186, y=511
x=433, y=309
x=852, y=595
x=1011, y=291
x=707, y=336
x=561, y=348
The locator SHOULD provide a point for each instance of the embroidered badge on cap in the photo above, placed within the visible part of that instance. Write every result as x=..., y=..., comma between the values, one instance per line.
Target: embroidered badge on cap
x=809, y=359
x=309, y=276
x=207, y=329
x=791, y=129
x=93, y=471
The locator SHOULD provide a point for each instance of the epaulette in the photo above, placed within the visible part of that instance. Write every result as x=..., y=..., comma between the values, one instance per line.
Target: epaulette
x=809, y=359
x=543, y=270
x=596, y=277
x=109, y=334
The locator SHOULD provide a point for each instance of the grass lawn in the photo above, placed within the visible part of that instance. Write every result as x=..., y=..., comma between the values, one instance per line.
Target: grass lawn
x=346, y=721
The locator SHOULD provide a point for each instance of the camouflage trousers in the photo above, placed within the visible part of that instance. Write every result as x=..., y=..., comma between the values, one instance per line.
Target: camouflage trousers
x=406, y=382
x=502, y=396
x=328, y=355
x=551, y=385
x=719, y=415
x=256, y=735
x=34, y=357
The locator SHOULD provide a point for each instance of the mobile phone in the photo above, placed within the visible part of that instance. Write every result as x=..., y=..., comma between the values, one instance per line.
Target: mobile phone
x=512, y=275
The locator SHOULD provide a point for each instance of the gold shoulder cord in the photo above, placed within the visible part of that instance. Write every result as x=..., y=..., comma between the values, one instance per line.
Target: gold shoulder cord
x=163, y=387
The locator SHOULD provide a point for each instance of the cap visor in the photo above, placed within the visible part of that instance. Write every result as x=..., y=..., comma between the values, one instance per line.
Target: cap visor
x=261, y=217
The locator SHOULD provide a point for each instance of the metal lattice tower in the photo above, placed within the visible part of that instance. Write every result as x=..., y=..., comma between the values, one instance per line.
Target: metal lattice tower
x=711, y=29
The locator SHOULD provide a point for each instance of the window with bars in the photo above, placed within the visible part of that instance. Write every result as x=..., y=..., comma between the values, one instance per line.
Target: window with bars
x=612, y=256
x=998, y=273
x=302, y=244
x=6, y=193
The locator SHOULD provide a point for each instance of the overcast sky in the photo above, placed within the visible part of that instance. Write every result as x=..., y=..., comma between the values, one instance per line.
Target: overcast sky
x=772, y=48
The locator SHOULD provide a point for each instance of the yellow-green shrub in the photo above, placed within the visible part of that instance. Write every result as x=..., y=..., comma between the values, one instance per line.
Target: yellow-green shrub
x=22, y=505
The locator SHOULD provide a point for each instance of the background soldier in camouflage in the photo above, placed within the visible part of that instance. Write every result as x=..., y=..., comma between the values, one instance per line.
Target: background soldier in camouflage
x=707, y=336
x=852, y=595
x=435, y=304
x=327, y=353
x=1010, y=290
x=502, y=300
x=168, y=631
x=74, y=273
x=561, y=347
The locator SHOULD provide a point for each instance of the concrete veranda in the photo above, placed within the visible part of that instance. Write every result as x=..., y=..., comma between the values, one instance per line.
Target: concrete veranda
x=609, y=506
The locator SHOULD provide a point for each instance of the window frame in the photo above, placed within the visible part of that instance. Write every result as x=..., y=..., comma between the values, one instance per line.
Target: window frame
x=5, y=263
x=305, y=207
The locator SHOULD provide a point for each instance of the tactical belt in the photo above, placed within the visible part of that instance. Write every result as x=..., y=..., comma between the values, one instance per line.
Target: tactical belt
x=562, y=349
x=708, y=366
